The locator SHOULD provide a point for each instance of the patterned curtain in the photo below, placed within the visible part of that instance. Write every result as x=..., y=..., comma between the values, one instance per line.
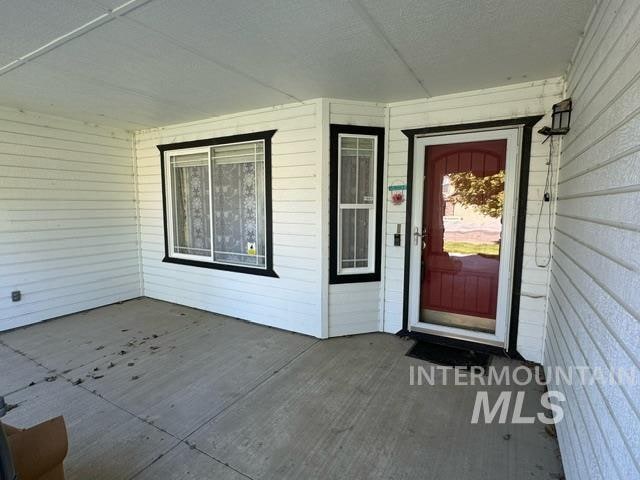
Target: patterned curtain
x=357, y=190
x=238, y=208
x=191, y=219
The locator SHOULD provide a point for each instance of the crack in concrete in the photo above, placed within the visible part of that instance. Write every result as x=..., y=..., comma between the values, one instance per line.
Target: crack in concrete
x=179, y=440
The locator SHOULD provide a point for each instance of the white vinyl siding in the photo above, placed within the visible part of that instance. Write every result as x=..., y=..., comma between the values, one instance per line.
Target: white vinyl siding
x=68, y=228
x=292, y=301
x=355, y=307
x=532, y=98
x=594, y=306
x=300, y=299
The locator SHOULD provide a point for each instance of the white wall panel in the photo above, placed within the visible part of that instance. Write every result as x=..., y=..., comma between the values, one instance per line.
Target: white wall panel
x=293, y=301
x=68, y=228
x=356, y=307
x=594, y=307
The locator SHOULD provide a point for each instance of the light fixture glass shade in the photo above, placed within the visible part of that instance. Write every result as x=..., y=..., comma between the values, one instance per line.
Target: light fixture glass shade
x=561, y=115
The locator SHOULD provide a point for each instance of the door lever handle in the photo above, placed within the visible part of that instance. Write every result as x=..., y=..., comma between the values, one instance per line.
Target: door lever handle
x=418, y=235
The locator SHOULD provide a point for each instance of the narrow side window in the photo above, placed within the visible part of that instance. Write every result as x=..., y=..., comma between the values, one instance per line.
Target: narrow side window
x=356, y=200
x=356, y=203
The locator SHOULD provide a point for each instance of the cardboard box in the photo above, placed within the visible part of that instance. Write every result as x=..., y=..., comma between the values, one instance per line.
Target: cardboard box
x=38, y=452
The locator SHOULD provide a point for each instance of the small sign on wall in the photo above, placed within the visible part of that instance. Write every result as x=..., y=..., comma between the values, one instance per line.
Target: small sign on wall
x=398, y=193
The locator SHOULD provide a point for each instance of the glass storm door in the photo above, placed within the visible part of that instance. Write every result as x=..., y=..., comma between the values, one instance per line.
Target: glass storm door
x=464, y=222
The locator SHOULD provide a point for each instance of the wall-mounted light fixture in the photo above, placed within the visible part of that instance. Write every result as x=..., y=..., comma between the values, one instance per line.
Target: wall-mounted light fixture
x=560, y=119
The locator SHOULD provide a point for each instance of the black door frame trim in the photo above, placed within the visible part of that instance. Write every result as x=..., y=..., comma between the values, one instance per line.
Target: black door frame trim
x=335, y=130
x=247, y=137
x=527, y=124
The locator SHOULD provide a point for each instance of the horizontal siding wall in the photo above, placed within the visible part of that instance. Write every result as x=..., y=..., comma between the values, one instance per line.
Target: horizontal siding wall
x=356, y=307
x=68, y=229
x=532, y=98
x=594, y=301
x=293, y=301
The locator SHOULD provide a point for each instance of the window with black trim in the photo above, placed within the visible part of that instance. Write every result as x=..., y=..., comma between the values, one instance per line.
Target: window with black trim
x=357, y=156
x=217, y=203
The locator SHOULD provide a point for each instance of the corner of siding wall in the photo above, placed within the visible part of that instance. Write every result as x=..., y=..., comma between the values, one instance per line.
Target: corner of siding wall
x=136, y=193
x=322, y=115
x=557, y=157
x=385, y=185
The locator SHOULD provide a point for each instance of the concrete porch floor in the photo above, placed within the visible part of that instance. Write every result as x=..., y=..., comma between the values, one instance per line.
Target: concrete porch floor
x=176, y=393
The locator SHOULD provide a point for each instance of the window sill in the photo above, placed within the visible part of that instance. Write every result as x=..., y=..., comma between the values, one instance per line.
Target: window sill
x=266, y=272
x=354, y=278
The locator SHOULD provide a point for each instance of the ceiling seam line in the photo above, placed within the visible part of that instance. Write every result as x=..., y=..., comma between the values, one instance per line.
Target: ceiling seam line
x=197, y=53
x=97, y=22
x=366, y=16
x=69, y=36
x=121, y=89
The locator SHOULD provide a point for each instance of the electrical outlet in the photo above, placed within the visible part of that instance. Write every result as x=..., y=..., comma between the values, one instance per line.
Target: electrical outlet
x=16, y=296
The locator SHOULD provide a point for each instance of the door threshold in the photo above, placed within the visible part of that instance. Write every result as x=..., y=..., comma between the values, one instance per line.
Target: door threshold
x=469, y=323
x=467, y=337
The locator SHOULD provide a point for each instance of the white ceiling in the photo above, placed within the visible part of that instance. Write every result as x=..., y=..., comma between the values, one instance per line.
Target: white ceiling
x=154, y=62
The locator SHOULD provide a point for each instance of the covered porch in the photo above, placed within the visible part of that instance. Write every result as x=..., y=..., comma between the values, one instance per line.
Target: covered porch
x=224, y=224
x=173, y=392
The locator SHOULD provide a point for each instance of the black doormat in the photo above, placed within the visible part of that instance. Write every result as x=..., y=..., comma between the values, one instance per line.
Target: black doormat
x=449, y=356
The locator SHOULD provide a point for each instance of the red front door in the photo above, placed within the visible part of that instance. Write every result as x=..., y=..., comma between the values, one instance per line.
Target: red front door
x=463, y=202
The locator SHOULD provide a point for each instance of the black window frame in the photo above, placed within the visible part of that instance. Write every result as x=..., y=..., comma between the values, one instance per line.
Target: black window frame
x=210, y=142
x=379, y=133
